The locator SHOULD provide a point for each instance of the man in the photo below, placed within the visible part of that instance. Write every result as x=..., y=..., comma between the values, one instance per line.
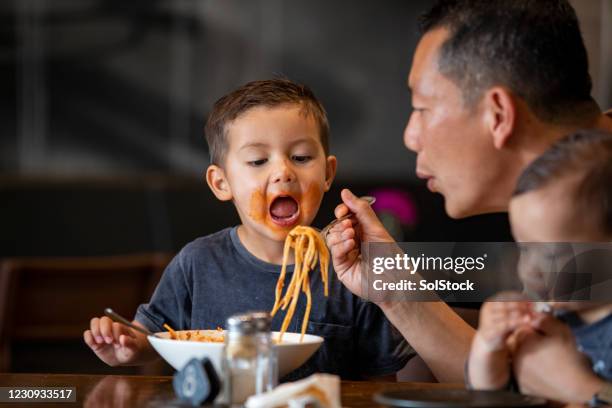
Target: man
x=494, y=83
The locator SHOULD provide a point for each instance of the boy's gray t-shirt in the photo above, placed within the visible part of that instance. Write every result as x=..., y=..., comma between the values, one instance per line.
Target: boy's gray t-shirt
x=215, y=276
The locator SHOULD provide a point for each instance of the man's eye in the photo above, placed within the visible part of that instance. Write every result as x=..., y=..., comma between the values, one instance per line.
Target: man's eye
x=257, y=163
x=301, y=159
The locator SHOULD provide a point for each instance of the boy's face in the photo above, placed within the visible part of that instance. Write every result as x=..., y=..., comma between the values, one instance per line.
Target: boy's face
x=548, y=216
x=275, y=170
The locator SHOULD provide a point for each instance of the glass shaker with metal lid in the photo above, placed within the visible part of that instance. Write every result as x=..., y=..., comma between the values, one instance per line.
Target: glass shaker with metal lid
x=267, y=360
x=240, y=359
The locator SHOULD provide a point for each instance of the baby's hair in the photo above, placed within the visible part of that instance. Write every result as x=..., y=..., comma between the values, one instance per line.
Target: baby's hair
x=268, y=93
x=586, y=154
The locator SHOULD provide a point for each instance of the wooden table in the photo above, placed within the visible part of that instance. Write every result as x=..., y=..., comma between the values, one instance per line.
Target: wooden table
x=114, y=391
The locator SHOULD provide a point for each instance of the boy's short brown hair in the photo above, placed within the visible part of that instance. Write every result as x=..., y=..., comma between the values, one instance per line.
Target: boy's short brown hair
x=586, y=154
x=268, y=93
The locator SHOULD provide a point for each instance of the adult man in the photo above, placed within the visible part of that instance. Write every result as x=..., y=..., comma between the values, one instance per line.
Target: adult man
x=494, y=83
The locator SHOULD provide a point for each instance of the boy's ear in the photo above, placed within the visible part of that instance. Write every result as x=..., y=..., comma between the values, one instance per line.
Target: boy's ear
x=500, y=114
x=330, y=171
x=215, y=177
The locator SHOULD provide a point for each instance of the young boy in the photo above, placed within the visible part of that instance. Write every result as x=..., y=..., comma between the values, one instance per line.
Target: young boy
x=564, y=196
x=268, y=142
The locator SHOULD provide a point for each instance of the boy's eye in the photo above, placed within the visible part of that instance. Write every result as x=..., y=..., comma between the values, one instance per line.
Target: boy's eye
x=301, y=159
x=259, y=162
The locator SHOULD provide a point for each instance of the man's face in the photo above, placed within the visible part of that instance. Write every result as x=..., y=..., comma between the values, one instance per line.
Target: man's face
x=455, y=152
x=276, y=169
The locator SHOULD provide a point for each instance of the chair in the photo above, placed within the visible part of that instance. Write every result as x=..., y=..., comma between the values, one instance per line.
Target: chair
x=52, y=300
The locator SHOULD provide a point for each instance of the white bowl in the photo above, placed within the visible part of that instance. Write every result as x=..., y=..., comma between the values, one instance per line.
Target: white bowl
x=291, y=353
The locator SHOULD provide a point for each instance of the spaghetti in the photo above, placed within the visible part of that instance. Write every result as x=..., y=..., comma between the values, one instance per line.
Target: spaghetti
x=207, y=336
x=308, y=248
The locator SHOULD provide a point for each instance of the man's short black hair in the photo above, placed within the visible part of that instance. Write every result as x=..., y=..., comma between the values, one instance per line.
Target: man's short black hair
x=532, y=47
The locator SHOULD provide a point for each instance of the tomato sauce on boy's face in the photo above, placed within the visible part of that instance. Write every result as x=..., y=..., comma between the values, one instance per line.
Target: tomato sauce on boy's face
x=306, y=203
x=276, y=168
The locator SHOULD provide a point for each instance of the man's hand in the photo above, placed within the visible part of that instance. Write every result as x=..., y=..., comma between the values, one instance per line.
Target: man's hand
x=547, y=363
x=345, y=238
x=438, y=335
x=114, y=343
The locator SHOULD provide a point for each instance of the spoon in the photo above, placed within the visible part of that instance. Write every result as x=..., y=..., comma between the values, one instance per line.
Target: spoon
x=325, y=230
x=120, y=319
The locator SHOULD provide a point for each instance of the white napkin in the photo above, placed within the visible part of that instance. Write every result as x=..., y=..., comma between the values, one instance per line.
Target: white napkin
x=324, y=387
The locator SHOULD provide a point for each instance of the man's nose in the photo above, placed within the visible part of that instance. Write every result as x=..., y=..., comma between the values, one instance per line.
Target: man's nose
x=411, y=136
x=283, y=173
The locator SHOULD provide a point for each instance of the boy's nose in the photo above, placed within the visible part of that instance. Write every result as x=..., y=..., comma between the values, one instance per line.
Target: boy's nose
x=283, y=174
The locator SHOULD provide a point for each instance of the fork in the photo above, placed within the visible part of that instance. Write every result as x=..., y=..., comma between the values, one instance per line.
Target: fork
x=371, y=200
x=120, y=319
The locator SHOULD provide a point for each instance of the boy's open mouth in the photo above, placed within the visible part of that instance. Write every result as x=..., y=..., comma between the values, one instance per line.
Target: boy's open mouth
x=284, y=211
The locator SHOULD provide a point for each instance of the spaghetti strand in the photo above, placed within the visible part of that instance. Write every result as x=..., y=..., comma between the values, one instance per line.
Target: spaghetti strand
x=309, y=249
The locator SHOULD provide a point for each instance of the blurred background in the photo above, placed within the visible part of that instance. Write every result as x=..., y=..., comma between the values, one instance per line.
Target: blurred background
x=102, y=150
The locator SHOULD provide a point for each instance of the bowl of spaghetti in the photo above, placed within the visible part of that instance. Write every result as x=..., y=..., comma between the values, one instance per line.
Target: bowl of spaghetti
x=293, y=349
x=178, y=347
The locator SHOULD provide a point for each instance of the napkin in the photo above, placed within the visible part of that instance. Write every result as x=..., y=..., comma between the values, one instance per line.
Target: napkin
x=323, y=389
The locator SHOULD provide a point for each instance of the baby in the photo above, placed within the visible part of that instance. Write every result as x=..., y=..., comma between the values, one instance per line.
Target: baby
x=564, y=196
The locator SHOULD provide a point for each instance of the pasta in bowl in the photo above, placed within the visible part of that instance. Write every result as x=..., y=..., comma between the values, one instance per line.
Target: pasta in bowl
x=292, y=352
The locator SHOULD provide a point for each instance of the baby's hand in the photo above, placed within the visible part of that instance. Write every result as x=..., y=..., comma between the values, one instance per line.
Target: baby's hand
x=498, y=320
x=489, y=365
x=114, y=343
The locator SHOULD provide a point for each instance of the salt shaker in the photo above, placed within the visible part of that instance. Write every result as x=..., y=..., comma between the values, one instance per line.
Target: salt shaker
x=240, y=359
x=267, y=360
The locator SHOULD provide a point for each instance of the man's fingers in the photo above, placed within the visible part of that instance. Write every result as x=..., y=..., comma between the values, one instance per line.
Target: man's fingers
x=339, y=234
x=346, y=233
x=355, y=204
x=341, y=210
x=349, y=245
x=333, y=238
x=341, y=252
x=341, y=249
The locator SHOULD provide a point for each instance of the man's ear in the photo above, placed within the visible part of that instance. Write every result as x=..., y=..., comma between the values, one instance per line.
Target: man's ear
x=330, y=171
x=215, y=177
x=500, y=108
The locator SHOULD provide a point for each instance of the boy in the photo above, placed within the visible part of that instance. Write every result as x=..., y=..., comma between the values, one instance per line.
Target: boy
x=269, y=156
x=564, y=196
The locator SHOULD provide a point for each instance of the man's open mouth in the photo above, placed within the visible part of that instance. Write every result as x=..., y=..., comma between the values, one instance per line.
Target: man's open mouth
x=284, y=210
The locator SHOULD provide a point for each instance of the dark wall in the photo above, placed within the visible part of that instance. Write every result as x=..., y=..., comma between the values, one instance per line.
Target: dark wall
x=106, y=87
x=103, y=105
